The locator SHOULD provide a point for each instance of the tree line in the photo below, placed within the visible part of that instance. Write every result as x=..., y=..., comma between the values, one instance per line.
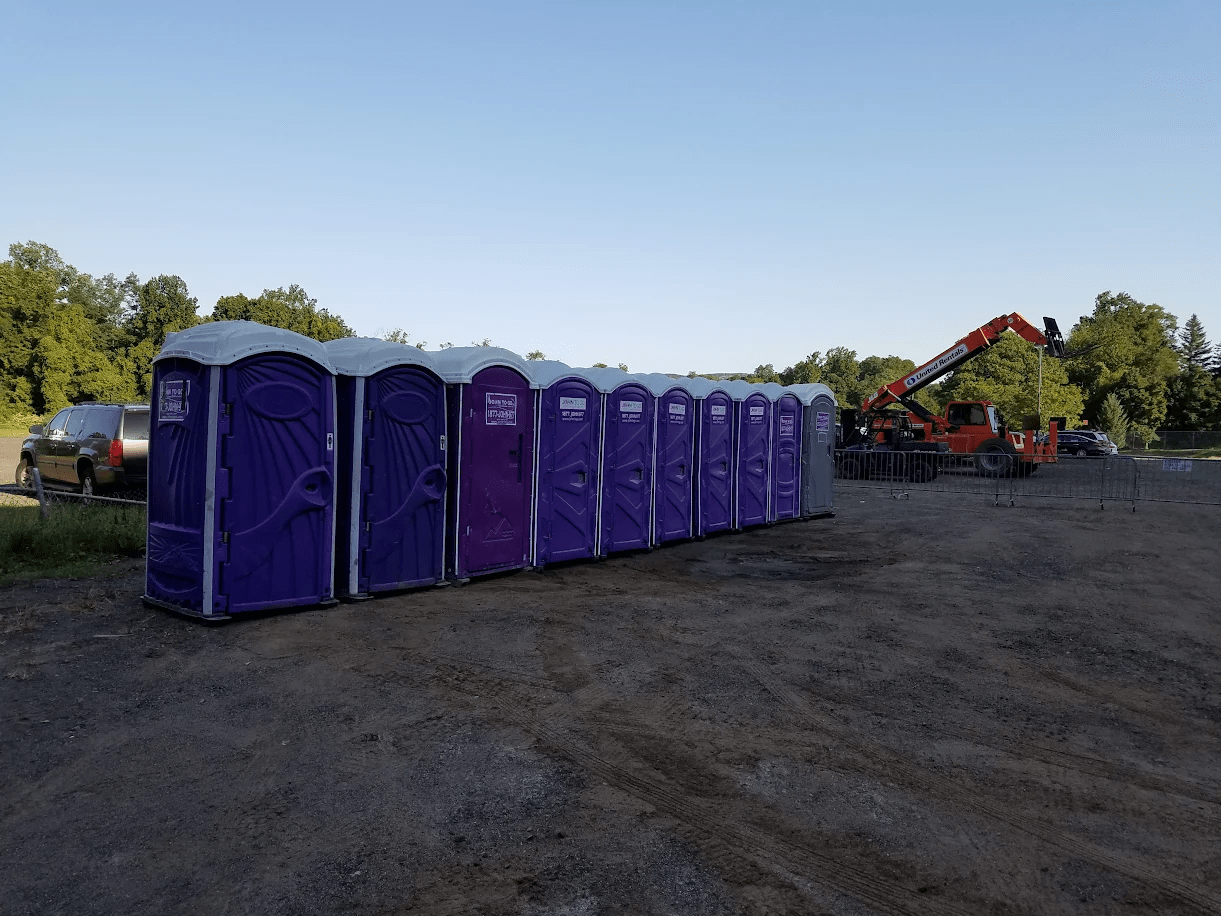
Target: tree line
x=67, y=336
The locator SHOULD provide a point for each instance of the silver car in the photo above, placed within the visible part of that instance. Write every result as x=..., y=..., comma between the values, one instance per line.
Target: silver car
x=90, y=447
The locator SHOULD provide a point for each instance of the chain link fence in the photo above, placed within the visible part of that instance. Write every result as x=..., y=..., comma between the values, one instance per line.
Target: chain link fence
x=1119, y=479
x=1174, y=440
x=49, y=497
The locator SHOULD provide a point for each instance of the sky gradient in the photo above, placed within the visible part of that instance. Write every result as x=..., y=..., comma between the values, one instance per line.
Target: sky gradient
x=675, y=185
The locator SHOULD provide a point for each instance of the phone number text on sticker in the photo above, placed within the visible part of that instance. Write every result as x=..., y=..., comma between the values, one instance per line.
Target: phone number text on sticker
x=500, y=409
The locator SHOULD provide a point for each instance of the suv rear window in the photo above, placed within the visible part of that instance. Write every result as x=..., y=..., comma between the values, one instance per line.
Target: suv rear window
x=99, y=422
x=135, y=425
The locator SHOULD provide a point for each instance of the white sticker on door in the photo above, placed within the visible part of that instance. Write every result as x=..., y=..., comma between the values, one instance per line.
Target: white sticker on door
x=172, y=405
x=500, y=409
x=572, y=408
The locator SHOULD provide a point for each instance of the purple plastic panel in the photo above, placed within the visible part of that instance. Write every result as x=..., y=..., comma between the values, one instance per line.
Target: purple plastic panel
x=570, y=423
x=627, y=463
x=493, y=523
x=402, y=480
x=716, y=463
x=754, y=428
x=786, y=458
x=177, y=479
x=275, y=484
x=672, y=509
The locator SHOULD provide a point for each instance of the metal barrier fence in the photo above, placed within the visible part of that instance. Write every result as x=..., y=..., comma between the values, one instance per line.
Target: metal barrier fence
x=1118, y=479
x=46, y=497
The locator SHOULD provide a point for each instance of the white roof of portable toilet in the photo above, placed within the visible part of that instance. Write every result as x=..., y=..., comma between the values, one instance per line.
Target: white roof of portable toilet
x=460, y=365
x=222, y=343
x=740, y=390
x=807, y=393
x=606, y=379
x=547, y=371
x=774, y=390
x=365, y=356
x=700, y=387
x=659, y=383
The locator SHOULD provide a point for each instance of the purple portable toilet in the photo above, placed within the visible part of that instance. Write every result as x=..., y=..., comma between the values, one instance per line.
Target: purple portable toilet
x=390, y=532
x=817, y=448
x=626, y=494
x=241, y=471
x=490, y=459
x=673, y=458
x=752, y=454
x=785, y=499
x=714, y=451
x=567, y=451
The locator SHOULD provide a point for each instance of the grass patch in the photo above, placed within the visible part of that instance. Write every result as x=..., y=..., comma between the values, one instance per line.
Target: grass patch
x=19, y=424
x=72, y=542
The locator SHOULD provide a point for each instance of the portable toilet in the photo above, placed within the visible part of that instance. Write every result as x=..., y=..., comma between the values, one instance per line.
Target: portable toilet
x=390, y=532
x=568, y=434
x=817, y=448
x=625, y=503
x=241, y=471
x=673, y=458
x=752, y=454
x=714, y=451
x=490, y=459
x=785, y=498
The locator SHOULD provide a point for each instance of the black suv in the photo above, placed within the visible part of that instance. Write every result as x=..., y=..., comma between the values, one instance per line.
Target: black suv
x=92, y=446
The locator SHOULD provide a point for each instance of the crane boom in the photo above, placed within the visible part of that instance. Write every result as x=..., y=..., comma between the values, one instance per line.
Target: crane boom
x=900, y=390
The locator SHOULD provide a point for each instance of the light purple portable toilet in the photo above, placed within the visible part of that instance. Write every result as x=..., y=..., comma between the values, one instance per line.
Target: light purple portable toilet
x=391, y=467
x=490, y=459
x=567, y=450
x=625, y=503
x=752, y=454
x=714, y=451
x=673, y=458
x=817, y=448
x=241, y=472
x=785, y=499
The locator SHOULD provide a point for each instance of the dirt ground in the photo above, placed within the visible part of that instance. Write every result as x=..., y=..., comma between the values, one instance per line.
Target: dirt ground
x=924, y=707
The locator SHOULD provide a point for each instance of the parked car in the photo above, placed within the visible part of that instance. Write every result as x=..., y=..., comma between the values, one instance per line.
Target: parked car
x=91, y=447
x=1085, y=444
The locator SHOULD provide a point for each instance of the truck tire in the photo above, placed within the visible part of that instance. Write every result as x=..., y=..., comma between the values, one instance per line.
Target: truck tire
x=922, y=470
x=850, y=469
x=995, y=458
x=24, y=476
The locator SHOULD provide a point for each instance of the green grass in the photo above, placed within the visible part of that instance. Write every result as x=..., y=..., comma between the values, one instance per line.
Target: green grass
x=19, y=424
x=71, y=542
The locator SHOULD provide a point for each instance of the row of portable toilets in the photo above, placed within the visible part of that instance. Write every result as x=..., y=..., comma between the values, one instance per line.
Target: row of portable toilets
x=284, y=472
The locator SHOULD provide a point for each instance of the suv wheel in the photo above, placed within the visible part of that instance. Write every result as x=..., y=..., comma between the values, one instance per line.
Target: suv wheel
x=24, y=475
x=89, y=483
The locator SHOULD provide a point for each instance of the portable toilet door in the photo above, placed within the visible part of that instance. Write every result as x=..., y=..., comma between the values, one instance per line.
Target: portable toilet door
x=491, y=413
x=786, y=456
x=817, y=449
x=241, y=490
x=714, y=471
x=569, y=430
x=391, y=467
x=625, y=505
x=673, y=459
x=752, y=455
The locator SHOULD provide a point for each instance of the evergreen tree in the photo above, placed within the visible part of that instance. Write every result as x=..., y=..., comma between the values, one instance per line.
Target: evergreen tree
x=1193, y=346
x=1113, y=419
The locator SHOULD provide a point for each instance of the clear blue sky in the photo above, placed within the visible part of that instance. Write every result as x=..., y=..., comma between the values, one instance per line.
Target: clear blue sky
x=675, y=185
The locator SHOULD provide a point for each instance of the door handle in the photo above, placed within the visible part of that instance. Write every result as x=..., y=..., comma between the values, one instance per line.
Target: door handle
x=521, y=440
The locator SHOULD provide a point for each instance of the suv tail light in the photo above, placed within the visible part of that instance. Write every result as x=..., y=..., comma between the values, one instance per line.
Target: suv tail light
x=116, y=453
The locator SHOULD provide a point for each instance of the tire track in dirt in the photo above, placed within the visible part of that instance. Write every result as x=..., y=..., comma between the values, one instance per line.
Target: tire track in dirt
x=957, y=794
x=733, y=840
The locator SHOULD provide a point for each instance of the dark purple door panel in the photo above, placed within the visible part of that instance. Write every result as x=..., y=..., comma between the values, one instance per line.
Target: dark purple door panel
x=497, y=459
x=403, y=480
x=786, y=458
x=628, y=469
x=675, y=445
x=275, y=484
x=716, y=463
x=178, y=448
x=753, y=440
x=570, y=422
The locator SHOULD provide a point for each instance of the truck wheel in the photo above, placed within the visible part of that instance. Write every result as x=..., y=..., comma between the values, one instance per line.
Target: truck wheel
x=995, y=458
x=850, y=469
x=922, y=471
x=24, y=476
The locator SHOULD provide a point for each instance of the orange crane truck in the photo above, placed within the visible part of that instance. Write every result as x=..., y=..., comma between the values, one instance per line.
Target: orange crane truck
x=974, y=428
